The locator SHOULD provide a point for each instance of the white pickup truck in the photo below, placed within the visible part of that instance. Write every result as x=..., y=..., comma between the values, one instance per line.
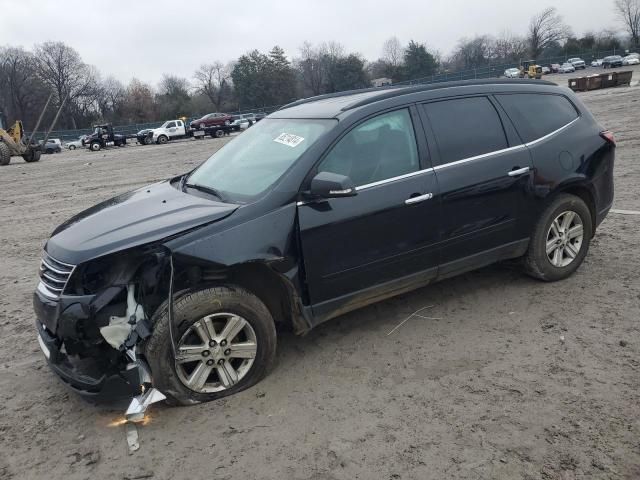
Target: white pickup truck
x=169, y=130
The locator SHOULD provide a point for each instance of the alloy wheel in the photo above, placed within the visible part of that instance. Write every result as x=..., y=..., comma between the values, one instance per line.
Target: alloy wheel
x=216, y=352
x=564, y=239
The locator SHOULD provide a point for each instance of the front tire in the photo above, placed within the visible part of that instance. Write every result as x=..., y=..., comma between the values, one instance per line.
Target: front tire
x=162, y=139
x=561, y=239
x=95, y=147
x=225, y=341
x=5, y=154
x=72, y=147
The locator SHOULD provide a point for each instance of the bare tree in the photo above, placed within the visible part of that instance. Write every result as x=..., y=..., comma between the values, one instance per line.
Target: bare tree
x=392, y=52
x=22, y=94
x=545, y=29
x=508, y=46
x=312, y=68
x=214, y=81
x=629, y=13
x=139, y=105
x=111, y=98
x=61, y=68
x=173, y=97
x=474, y=52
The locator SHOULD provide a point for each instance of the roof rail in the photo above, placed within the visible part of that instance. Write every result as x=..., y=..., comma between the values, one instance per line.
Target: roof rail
x=389, y=91
x=405, y=90
x=345, y=93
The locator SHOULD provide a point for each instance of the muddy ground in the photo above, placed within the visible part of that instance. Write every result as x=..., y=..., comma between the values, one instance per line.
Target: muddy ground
x=489, y=389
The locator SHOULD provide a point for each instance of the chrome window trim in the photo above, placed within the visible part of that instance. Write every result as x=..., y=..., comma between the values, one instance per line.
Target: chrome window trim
x=462, y=161
x=551, y=134
x=505, y=150
x=393, y=179
x=479, y=157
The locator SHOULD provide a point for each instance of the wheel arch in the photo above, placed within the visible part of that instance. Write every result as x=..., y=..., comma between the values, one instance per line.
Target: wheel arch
x=583, y=192
x=275, y=290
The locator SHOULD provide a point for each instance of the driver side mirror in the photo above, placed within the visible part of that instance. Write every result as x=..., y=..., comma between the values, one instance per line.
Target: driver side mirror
x=332, y=185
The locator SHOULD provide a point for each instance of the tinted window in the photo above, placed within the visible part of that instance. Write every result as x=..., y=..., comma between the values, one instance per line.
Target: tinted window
x=380, y=148
x=465, y=128
x=536, y=115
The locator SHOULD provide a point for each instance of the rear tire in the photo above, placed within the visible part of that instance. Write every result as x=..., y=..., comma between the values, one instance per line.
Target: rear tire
x=219, y=133
x=32, y=156
x=561, y=239
x=5, y=154
x=188, y=313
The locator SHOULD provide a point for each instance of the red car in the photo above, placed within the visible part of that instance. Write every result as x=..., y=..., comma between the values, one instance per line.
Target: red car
x=212, y=120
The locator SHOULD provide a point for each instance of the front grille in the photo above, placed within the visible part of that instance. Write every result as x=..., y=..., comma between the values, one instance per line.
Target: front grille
x=53, y=276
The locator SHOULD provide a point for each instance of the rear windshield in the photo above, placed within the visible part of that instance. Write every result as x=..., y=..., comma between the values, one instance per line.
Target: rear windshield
x=536, y=115
x=252, y=162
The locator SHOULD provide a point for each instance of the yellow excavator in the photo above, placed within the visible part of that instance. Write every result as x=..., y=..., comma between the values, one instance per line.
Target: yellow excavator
x=529, y=69
x=14, y=143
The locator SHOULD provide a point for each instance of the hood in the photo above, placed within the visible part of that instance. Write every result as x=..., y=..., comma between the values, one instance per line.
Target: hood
x=145, y=215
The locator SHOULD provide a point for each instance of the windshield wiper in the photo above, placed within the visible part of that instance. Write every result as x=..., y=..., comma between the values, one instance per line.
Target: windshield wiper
x=205, y=189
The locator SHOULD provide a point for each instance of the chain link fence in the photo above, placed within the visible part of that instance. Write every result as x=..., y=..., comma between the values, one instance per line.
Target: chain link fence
x=486, y=71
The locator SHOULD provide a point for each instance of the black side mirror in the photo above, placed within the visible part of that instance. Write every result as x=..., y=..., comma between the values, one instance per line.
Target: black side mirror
x=332, y=185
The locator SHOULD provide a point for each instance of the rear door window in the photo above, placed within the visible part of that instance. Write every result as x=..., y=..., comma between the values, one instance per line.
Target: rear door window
x=536, y=115
x=465, y=128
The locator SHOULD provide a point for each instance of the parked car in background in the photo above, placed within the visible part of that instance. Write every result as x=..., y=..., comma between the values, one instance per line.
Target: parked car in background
x=322, y=208
x=259, y=116
x=612, y=61
x=51, y=146
x=554, y=67
x=566, y=68
x=546, y=70
x=145, y=136
x=73, y=144
x=512, y=73
x=241, y=122
x=631, y=59
x=597, y=63
x=577, y=63
x=212, y=120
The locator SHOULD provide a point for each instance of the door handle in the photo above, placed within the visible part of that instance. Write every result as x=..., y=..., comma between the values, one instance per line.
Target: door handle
x=519, y=171
x=418, y=199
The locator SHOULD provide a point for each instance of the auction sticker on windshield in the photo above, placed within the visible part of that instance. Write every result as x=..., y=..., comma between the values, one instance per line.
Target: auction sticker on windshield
x=289, y=139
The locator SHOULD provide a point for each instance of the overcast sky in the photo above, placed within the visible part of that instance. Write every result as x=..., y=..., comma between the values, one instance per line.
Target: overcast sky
x=145, y=39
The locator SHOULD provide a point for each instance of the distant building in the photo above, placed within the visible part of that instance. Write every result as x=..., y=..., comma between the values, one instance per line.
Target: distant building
x=381, y=82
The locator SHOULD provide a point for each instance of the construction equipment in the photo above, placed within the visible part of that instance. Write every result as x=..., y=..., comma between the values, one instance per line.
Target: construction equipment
x=529, y=69
x=13, y=142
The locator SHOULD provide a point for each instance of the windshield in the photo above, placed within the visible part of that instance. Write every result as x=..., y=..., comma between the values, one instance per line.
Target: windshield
x=255, y=160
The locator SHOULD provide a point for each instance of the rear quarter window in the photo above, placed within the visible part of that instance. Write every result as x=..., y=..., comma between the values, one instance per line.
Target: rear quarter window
x=536, y=115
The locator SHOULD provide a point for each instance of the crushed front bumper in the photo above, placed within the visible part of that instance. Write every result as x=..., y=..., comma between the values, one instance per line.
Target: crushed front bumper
x=86, y=377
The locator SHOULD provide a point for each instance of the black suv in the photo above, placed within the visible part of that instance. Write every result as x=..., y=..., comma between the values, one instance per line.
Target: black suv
x=327, y=205
x=612, y=61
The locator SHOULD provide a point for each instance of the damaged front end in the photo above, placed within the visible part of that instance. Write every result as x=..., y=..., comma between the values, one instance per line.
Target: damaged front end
x=92, y=319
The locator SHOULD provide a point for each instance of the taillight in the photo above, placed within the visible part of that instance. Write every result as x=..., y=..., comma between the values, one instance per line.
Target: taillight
x=608, y=136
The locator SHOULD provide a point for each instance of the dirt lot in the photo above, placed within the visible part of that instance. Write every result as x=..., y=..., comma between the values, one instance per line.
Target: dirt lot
x=489, y=390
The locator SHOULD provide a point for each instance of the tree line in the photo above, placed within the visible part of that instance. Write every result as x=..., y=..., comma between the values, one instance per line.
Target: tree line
x=259, y=80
